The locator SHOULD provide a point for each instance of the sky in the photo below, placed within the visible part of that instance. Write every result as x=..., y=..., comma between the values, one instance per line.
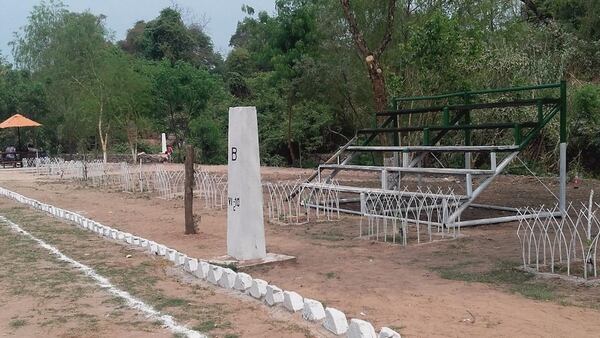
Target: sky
x=220, y=16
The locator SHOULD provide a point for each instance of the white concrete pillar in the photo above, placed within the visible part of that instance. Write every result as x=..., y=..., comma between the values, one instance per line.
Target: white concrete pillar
x=245, y=227
x=163, y=143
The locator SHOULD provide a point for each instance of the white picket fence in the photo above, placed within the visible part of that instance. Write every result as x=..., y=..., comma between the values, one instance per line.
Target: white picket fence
x=156, y=180
x=562, y=245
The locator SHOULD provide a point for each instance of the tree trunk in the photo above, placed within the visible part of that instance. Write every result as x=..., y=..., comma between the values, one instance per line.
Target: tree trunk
x=133, y=149
x=372, y=56
x=103, y=136
x=190, y=226
x=380, y=94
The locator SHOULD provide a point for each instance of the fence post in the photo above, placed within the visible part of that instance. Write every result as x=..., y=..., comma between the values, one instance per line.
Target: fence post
x=190, y=228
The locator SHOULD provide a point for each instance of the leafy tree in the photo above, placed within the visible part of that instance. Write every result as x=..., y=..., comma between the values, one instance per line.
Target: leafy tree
x=372, y=54
x=168, y=37
x=182, y=94
x=282, y=47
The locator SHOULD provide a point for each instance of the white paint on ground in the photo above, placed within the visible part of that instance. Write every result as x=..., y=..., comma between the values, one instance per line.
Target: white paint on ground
x=104, y=283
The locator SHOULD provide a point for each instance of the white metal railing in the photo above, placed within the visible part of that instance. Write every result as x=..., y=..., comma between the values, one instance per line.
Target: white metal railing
x=562, y=245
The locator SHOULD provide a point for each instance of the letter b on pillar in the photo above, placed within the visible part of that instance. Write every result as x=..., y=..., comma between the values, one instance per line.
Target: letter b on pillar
x=245, y=227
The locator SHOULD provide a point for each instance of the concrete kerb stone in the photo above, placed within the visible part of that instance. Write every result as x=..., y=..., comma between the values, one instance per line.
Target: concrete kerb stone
x=386, y=332
x=258, y=288
x=191, y=265
x=313, y=310
x=214, y=274
x=274, y=295
x=153, y=248
x=180, y=259
x=292, y=301
x=172, y=255
x=227, y=279
x=335, y=321
x=361, y=329
x=243, y=282
x=202, y=271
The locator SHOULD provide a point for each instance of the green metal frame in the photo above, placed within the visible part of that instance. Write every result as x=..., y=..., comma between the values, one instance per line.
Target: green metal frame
x=524, y=132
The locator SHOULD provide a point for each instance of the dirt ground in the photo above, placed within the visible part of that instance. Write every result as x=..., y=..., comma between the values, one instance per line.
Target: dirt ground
x=464, y=287
x=41, y=296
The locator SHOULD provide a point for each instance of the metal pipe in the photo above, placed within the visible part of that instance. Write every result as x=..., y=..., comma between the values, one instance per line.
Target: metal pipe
x=414, y=170
x=504, y=219
x=479, y=92
x=481, y=188
x=494, y=207
x=563, y=178
x=434, y=148
x=384, y=181
x=320, y=207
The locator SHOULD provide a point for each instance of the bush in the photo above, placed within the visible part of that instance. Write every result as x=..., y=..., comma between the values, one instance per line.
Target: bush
x=584, y=141
x=148, y=148
x=209, y=140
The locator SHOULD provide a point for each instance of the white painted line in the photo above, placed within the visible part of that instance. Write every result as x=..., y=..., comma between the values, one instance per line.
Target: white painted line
x=104, y=283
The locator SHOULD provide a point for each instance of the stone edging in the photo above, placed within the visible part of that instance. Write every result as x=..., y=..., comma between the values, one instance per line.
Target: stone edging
x=312, y=310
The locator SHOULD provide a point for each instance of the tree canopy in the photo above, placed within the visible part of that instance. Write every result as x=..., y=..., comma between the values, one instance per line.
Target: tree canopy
x=315, y=69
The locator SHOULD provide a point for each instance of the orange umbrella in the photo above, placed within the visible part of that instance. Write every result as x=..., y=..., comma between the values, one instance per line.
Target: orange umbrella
x=18, y=121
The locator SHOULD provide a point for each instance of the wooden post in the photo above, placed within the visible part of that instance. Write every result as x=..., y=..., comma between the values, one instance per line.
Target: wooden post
x=188, y=198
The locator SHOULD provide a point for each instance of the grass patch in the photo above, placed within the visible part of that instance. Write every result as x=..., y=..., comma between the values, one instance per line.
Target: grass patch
x=17, y=323
x=205, y=326
x=333, y=235
x=503, y=274
x=537, y=291
x=161, y=303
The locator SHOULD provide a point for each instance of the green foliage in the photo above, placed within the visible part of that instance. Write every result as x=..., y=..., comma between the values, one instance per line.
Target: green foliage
x=300, y=68
x=585, y=128
x=209, y=139
x=586, y=104
x=182, y=94
x=168, y=37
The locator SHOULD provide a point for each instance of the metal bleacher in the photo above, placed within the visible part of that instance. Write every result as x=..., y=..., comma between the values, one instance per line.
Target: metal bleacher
x=421, y=129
